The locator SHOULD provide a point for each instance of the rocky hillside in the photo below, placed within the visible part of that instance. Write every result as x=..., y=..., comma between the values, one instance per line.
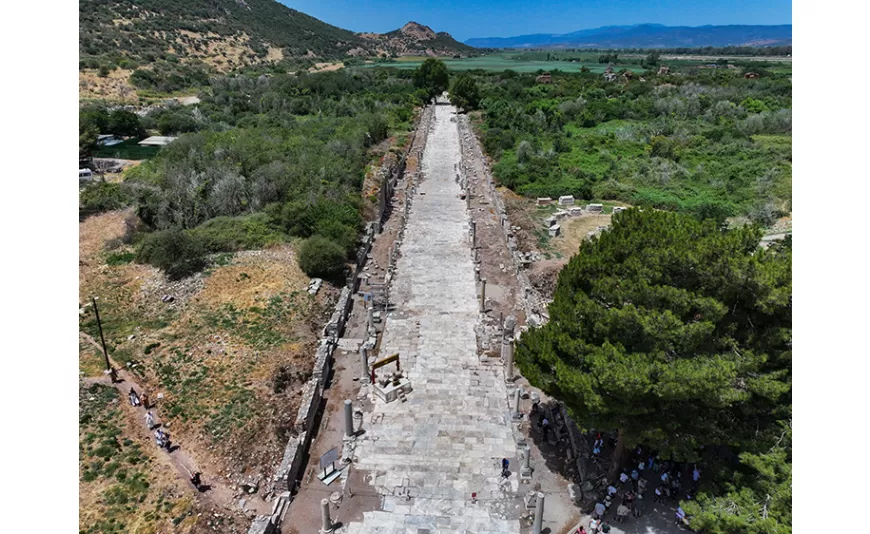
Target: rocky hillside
x=414, y=39
x=166, y=46
x=219, y=32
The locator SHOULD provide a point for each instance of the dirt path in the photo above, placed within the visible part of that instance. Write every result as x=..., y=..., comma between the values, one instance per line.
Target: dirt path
x=216, y=492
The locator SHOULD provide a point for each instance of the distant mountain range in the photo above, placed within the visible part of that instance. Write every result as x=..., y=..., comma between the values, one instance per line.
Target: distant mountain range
x=646, y=36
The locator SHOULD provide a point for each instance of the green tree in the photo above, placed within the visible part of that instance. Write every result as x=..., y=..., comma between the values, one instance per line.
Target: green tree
x=103, y=196
x=464, y=93
x=93, y=120
x=123, y=122
x=755, y=499
x=672, y=331
x=432, y=77
x=320, y=256
x=175, y=252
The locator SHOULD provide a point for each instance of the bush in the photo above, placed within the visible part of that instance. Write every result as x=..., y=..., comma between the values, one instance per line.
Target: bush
x=178, y=254
x=103, y=196
x=230, y=234
x=321, y=257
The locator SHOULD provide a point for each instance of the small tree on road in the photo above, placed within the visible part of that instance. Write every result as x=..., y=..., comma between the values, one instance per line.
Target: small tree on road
x=432, y=77
x=464, y=93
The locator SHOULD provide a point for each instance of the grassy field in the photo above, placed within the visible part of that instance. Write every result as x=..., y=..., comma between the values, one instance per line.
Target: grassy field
x=229, y=353
x=129, y=149
x=500, y=63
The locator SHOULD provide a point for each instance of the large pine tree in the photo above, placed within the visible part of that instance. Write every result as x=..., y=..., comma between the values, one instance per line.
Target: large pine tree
x=672, y=331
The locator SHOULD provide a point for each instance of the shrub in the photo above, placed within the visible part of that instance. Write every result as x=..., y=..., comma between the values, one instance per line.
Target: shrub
x=103, y=196
x=178, y=254
x=229, y=234
x=321, y=257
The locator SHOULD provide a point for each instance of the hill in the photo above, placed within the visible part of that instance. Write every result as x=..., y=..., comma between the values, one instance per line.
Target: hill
x=175, y=45
x=646, y=36
x=239, y=31
x=414, y=39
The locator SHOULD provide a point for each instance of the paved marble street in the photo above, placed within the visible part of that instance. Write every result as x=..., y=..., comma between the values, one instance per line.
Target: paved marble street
x=448, y=439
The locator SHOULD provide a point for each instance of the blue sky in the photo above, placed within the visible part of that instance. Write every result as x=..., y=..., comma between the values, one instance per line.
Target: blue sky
x=505, y=18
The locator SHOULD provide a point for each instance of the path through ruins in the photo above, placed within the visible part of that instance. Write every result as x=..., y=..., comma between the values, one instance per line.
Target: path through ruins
x=448, y=439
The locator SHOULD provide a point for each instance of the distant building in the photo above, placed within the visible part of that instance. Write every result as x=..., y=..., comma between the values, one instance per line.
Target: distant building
x=751, y=75
x=157, y=140
x=664, y=70
x=544, y=78
x=108, y=140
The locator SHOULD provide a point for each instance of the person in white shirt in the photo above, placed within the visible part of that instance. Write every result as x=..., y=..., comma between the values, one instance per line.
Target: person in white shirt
x=622, y=512
x=611, y=490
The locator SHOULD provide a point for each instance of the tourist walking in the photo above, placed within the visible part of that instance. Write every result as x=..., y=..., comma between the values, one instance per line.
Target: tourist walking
x=505, y=464
x=149, y=420
x=134, y=398
x=545, y=426
x=144, y=399
x=196, y=480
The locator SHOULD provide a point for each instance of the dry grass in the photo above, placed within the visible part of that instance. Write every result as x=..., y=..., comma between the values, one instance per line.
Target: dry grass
x=116, y=86
x=225, y=52
x=575, y=230
x=326, y=67
x=108, y=497
x=213, y=351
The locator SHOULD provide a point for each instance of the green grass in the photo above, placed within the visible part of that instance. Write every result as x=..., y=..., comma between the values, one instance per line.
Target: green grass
x=106, y=457
x=501, y=62
x=129, y=149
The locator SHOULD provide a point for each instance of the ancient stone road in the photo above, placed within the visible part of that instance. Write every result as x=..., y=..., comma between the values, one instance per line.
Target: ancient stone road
x=448, y=439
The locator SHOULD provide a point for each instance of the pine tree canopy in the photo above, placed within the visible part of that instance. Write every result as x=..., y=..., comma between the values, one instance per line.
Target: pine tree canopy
x=672, y=330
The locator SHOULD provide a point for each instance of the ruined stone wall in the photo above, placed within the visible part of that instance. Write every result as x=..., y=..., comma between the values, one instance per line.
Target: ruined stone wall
x=533, y=303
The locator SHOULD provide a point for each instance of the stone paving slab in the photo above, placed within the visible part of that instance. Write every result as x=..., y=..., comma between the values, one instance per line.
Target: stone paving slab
x=448, y=439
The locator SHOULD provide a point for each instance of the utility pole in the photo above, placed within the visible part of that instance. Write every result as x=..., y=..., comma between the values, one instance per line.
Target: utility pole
x=103, y=339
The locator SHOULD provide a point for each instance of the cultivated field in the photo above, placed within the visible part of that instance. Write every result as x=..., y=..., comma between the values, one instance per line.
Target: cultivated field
x=500, y=63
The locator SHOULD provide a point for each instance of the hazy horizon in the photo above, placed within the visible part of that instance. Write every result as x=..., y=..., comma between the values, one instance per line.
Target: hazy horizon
x=509, y=18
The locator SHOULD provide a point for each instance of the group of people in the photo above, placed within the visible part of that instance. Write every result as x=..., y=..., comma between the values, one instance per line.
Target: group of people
x=136, y=400
x=160, y=435
x=596, y=526
x=634, y=485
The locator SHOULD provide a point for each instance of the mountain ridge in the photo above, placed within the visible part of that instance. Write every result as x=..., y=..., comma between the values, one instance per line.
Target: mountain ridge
x=648, y=35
